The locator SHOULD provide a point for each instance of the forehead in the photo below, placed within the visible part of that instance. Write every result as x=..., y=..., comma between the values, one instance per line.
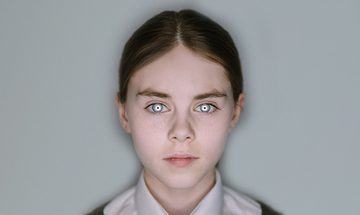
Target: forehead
x=180, y=68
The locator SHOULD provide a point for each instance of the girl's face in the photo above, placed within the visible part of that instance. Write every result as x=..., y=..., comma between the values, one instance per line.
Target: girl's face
x=179, y=111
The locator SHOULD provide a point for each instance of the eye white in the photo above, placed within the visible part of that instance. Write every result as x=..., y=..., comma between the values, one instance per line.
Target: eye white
x=206, y=108
x=157, y=108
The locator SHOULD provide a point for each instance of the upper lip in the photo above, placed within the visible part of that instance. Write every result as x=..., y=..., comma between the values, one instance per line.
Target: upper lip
x=180, y=155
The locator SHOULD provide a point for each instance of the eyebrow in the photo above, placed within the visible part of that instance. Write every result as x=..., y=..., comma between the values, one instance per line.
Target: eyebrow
x=212, y=94
x=154, y=93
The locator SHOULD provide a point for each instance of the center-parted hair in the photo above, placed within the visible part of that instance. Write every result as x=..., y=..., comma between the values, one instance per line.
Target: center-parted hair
x=166, y=30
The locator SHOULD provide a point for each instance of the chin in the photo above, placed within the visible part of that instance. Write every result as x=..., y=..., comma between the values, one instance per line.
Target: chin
x=181, y=181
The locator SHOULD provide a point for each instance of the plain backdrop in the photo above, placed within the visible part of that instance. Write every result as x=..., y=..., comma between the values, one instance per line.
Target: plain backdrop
x=62, y=150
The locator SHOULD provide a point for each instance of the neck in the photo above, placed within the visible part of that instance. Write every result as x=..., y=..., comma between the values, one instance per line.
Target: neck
x=180, y=201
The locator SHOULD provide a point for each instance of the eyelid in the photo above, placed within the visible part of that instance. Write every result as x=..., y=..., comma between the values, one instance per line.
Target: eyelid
x=215, y=108
x=148, y=107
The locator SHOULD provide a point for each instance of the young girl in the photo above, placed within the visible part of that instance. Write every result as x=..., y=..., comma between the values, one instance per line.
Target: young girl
x=180, y=95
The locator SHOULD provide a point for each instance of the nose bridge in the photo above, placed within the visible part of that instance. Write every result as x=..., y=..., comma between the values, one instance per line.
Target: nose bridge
x=181, y=129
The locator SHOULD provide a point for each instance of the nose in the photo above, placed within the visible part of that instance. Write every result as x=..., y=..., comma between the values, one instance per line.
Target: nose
x=181, y=130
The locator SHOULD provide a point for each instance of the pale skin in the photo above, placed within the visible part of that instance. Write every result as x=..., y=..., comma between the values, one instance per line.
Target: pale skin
x=179, y=103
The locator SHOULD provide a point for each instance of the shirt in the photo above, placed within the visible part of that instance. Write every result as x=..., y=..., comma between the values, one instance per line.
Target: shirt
x=220, y=200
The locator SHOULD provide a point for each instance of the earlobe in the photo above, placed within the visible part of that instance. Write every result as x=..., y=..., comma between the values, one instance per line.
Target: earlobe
x=123, y=115
x=237, y=110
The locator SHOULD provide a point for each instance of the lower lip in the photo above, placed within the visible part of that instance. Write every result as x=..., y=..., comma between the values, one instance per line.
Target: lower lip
x=180, y=162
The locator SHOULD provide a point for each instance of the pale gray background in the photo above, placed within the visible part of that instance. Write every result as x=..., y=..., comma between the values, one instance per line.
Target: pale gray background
x=297, y=146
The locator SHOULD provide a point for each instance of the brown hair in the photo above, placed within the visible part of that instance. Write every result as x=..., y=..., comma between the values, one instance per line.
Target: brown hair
x=165, y=31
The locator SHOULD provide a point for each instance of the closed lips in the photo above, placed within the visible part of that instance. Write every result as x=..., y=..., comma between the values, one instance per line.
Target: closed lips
x=180, y=156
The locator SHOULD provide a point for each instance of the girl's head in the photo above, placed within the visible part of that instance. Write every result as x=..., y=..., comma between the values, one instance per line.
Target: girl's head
x=189, y=28
x=180, y=95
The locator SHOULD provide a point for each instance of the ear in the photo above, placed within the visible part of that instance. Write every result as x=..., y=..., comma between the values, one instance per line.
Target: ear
x=239, y=105
x=122, y=115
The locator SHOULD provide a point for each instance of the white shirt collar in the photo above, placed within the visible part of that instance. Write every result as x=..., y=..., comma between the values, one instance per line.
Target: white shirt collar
x=212, y=203
x=220, y=200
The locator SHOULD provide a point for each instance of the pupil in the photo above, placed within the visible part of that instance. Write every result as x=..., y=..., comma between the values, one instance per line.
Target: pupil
x=157, y=108
x=205, y=108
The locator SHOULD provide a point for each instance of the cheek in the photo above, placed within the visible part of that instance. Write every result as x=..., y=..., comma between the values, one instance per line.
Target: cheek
x=147, y=136
x=213, y=136
x=215, y=141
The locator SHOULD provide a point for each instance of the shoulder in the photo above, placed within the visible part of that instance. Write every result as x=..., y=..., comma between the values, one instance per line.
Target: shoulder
x=235, y=201
x=121, y=202
x=99, y=210
x=267, y=210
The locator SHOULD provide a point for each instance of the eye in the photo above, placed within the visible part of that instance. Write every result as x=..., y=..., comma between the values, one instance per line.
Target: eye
x=206, y=108
x=156, y=108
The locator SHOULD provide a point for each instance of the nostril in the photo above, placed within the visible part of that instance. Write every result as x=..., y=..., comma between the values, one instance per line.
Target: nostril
x=181, y=138
x=181, y=130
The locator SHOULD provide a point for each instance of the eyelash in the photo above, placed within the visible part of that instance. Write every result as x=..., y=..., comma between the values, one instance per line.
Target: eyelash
x=212, y=107
x=151, y=107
